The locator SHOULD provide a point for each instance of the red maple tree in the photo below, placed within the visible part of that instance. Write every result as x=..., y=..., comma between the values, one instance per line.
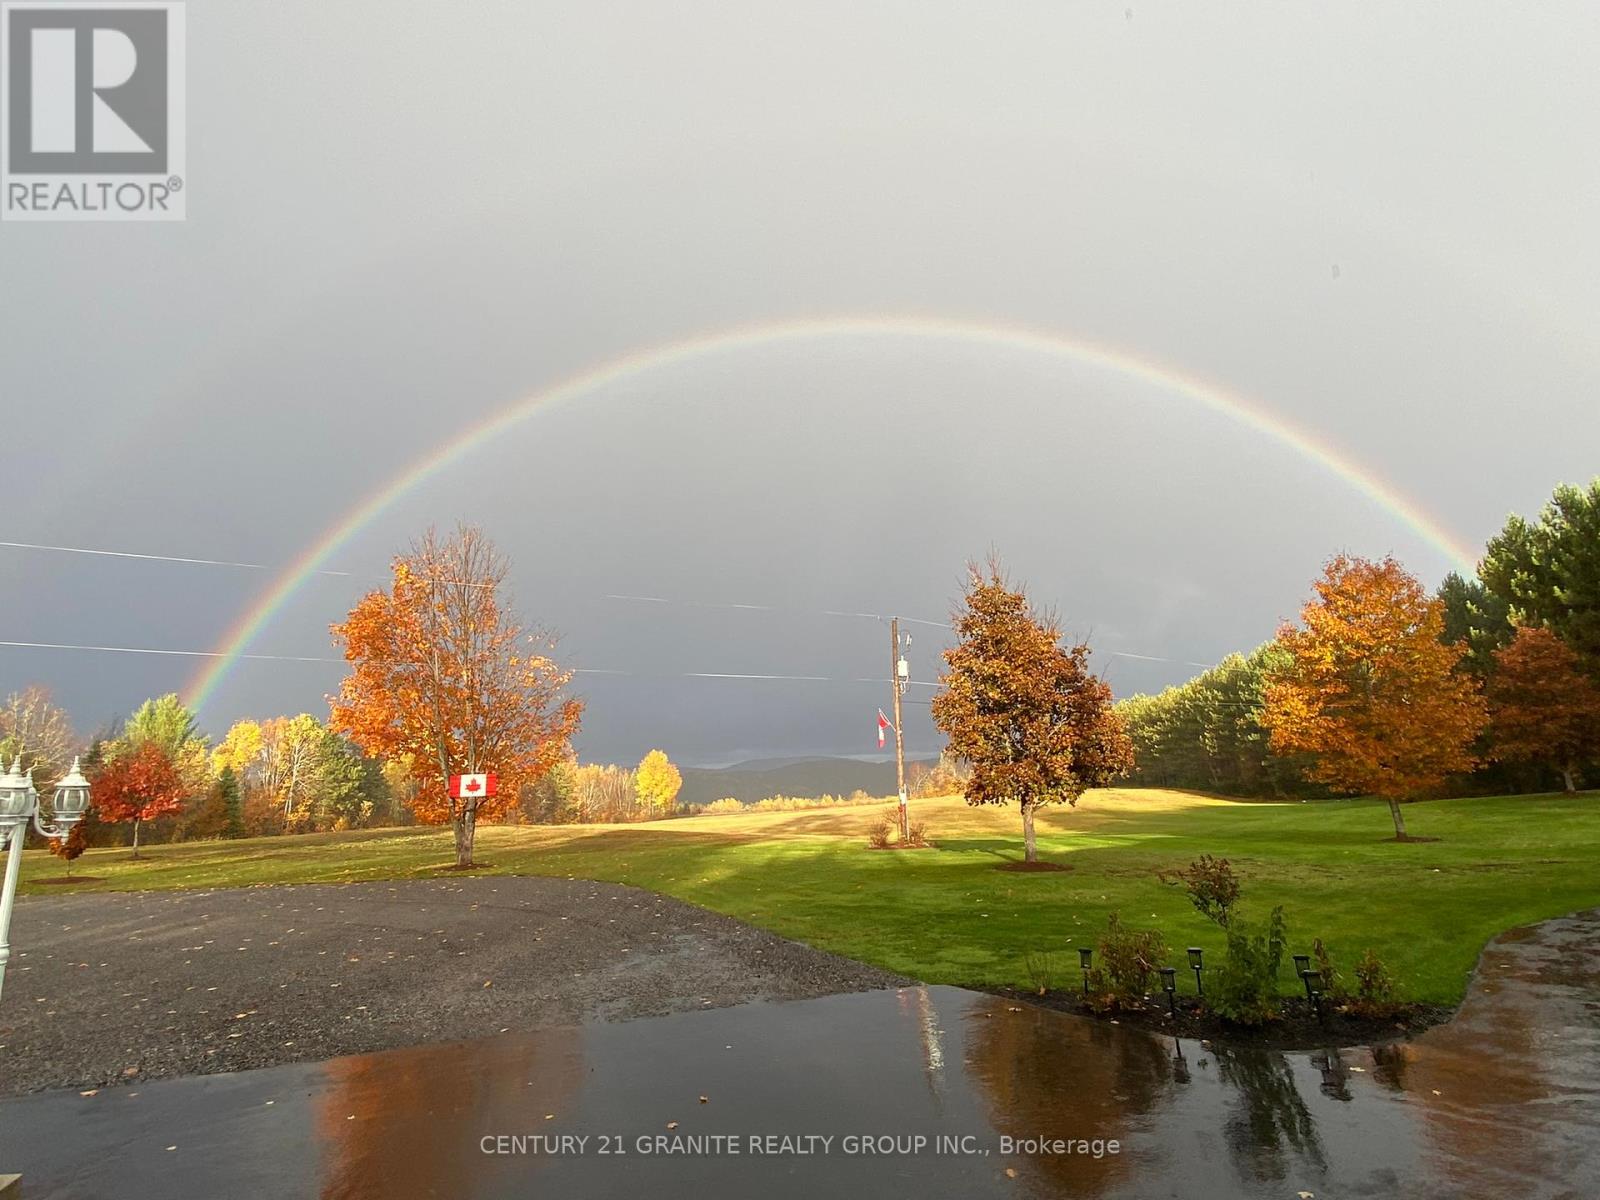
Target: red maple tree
x=1542, y=707
x=138, y=786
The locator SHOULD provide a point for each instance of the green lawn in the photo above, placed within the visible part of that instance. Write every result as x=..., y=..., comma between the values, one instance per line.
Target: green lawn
x=948, y=916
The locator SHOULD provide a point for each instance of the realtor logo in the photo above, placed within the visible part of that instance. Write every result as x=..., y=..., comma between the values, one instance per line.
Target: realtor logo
x=92, y=111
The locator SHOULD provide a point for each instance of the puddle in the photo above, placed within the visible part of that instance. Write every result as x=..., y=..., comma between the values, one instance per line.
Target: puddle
x=879, y=1093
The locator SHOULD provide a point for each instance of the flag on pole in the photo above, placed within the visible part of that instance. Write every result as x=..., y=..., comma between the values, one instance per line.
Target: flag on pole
x=883, y=723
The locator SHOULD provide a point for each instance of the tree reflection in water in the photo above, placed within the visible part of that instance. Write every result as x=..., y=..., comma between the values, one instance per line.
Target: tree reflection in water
x=409, y=1122
x=1271, y=1118
x=1045, y=1075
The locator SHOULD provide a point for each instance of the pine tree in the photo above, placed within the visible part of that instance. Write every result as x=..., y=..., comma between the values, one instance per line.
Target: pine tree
x=228, y=793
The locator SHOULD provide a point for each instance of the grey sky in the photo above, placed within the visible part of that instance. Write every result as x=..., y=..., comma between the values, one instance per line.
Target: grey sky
x=1376, y=222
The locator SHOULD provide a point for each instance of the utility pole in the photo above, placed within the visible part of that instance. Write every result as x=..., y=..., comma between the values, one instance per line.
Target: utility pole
x=899, y=673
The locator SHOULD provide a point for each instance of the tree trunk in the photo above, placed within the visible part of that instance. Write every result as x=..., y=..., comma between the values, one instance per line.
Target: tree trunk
x=1399, y=821
x=1568, y=782
x=1030, y=849
x=466, y=829
x=136, y=837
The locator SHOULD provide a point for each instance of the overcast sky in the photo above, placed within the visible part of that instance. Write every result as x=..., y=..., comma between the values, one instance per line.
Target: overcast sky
x=1376, y=222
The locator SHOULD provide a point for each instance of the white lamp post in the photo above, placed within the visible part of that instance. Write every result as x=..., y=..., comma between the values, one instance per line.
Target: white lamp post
x=19, y=800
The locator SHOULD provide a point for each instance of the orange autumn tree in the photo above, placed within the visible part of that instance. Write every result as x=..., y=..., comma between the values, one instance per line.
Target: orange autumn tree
x=138, y=785
x=1368, y=689
x=1542, y=707
x=443, y=674
x=1023, y=710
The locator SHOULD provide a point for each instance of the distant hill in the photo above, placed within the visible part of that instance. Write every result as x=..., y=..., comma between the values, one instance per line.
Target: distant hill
x=760, y=778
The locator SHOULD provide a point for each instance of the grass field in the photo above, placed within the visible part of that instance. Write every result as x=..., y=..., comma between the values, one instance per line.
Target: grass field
x=947, y=916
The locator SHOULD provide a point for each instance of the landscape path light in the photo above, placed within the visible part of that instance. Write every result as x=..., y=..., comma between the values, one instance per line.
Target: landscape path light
x=1302, y=968
x=19, y=802
x=1314, y=991
x=1085, y=956
x=1169, y=984
x=1195, y=955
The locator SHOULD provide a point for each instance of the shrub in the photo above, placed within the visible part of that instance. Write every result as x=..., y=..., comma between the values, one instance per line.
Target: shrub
x=1245, y=989
x=1041, y=968
x=1212, y=886
x=881, y=832
x=917, y=834
x=1375, y=992
x=1332, y=980
x=1129, y=960
x=726, y=805
x=69, y=847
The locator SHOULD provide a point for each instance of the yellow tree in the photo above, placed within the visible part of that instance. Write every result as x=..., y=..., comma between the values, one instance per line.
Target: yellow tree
x=657, y=782
x=239, y=750
x=1368, y=689
x=1023, y=710
x=440, y=671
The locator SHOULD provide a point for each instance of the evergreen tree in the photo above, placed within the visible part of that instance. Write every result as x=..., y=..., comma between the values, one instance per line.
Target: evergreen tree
x=233, y=812
x=1548, y=571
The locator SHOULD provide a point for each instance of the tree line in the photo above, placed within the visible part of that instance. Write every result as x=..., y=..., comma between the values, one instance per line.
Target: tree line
x=156, y=778
x=1487, y=685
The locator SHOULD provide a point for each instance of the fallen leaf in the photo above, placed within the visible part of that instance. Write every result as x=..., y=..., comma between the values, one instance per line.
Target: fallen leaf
x=705, y=1099
x=90, y=1092
x=672, y=1124
x=1011, y=1172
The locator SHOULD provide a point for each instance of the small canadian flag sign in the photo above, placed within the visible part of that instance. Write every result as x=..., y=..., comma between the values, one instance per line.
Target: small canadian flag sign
x=469, y=787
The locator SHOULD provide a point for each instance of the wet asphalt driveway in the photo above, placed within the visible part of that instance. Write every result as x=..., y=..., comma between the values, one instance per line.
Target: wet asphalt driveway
x=117, y=987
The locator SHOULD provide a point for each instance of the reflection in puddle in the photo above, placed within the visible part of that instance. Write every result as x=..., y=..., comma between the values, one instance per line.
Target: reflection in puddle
x=1501, y=1101
x=409, y=1124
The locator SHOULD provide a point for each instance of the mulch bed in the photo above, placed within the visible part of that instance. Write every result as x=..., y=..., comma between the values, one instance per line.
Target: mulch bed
x=1032, y=866
x=1297, y=1027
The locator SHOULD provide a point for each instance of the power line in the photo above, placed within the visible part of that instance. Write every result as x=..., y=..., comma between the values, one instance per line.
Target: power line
x=303, y=658
x=620, y=596
x=178, y=653
x=172, y=558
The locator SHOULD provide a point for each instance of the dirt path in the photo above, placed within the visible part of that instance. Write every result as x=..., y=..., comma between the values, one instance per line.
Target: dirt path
x=113, y=988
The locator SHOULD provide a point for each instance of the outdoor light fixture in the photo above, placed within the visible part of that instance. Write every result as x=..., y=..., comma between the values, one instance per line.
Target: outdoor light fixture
x=1169, y=983
x=1195, y=965
x=1302, y=964
x=19, y=801
x=1314, y=991
x=1085, y=954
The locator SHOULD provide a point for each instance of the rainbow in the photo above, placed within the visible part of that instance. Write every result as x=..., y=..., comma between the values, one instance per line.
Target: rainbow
x=708, y=345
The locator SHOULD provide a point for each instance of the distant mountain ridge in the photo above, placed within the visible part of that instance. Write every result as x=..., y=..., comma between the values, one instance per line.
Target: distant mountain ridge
x=760, y=778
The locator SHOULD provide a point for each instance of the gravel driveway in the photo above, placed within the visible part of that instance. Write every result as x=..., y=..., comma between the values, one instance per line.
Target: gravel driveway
x=121, y=986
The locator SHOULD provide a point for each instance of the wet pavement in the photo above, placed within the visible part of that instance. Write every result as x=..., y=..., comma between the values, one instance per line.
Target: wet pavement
x=910, y=1092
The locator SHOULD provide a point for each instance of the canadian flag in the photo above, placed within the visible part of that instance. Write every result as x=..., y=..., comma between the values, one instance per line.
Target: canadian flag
x=467, y=787
x=883, y=724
